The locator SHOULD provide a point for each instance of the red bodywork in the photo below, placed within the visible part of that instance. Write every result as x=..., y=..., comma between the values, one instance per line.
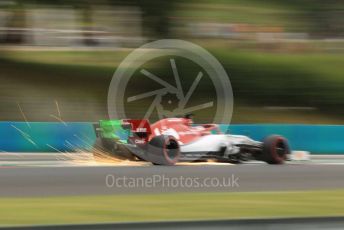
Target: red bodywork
x=180, y=128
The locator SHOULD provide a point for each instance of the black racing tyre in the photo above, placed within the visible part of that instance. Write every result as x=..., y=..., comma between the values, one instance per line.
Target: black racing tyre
x=163, y=150
x=275, y=149
x=106, y=148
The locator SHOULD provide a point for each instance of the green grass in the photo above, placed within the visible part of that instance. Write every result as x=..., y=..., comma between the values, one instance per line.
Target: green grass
x=96, y=59
x=258, y=79
x=263, y=13
x=160, y=207
x=303, y=79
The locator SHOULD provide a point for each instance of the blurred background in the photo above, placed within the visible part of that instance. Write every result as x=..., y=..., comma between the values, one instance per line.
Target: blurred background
x=284, y=58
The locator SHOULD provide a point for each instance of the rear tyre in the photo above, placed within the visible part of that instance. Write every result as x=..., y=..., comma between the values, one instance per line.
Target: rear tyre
x=106, y=149
x=163, y=150
x=275, y=150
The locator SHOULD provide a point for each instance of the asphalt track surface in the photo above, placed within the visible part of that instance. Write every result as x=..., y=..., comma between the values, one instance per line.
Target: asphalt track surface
x=39, y=176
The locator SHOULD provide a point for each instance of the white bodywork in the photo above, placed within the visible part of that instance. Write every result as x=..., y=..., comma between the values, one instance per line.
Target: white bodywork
x=214, y=143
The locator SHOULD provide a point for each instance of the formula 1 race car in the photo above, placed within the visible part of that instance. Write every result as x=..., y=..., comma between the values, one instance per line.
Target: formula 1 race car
x=171, y=140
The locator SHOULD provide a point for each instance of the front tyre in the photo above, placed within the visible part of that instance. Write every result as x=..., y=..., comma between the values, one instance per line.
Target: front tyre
x=275, y=149
x=163, y=150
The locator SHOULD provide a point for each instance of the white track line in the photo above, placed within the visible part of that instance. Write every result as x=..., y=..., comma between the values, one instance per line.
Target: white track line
x=86, y=160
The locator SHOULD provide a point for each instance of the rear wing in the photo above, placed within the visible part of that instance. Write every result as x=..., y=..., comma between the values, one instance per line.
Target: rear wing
x=111, y=129
x=140, y=130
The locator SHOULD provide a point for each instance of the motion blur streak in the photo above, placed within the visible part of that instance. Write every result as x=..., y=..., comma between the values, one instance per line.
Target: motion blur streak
x=284, y=57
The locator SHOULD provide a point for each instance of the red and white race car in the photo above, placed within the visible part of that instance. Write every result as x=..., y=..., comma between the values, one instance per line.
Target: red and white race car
x=171, y=140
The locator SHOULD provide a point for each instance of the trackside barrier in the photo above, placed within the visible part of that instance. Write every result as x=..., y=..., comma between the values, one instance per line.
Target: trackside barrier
x=45, y=136
x=317, y=139
x=73, y=136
